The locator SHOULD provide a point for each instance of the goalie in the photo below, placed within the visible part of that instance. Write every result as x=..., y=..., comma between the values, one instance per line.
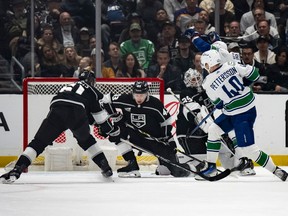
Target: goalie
x=194, y=106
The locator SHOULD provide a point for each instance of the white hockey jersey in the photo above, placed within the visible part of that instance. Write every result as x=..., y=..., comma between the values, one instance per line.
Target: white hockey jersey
x=226, y=84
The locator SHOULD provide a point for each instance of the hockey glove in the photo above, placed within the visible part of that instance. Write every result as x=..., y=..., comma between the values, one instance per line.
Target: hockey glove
x=117, y=133
x=212, y=37
x=191, y=33
x=247, y=82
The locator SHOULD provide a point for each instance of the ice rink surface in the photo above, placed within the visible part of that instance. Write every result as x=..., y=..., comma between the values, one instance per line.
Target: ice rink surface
x=87, y=193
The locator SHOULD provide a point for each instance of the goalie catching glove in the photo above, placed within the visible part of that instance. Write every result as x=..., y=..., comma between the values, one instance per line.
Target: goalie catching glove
x=200, y=116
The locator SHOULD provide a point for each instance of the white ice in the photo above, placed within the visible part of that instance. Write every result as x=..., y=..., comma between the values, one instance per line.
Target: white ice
x=85, y=193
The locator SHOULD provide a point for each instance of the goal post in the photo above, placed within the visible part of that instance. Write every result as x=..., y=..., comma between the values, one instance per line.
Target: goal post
x=38, y=92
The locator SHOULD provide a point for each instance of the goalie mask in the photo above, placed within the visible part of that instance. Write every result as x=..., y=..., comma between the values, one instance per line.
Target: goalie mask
x=193, y=78
x=88, y=76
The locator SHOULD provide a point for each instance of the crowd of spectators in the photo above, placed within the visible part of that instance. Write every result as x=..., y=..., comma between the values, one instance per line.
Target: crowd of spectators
x=144, y=38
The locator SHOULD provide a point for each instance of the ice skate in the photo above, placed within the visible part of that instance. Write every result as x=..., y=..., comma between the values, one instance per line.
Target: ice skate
x=106, y=170
x=130, y=171
x=282, y=174
x=248, y=169
x=12, y=175
x=208, y=170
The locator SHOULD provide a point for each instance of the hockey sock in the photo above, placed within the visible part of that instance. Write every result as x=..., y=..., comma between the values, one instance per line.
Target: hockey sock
x=260, y=157
x=129, y=156
x=213, y=148
x=27, y=157
x=126, y=151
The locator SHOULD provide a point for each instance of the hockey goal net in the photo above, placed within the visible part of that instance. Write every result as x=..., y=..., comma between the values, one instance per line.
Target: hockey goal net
x=38, y=92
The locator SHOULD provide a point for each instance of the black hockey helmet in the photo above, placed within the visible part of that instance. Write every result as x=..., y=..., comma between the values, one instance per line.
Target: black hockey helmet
x=140, y=87
x=87, y=75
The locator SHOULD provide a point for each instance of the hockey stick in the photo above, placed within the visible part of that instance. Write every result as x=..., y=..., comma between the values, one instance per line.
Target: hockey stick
x=202, y=121
x=163, y=143
x=239, y=38
x=208, y=178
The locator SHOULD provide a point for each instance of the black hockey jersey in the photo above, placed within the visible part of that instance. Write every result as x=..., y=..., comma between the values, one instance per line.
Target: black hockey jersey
x=79, y=94
x=189, y=95
x=150, y=117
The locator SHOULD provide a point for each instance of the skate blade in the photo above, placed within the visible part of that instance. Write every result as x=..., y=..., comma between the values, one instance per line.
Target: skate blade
x=132, y=174
x=8, y=181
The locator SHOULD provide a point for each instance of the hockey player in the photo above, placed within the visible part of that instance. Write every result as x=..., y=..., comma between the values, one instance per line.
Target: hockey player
x=196, y=100
x=227, y=87
x=212, y=41
x=147, y=113
x=74, y=107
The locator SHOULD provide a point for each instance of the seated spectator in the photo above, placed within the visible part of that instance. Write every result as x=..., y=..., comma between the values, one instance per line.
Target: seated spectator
x=71, y=60
x=247, y=56
x=209, y=5
x=84, y=63
x=184, y=59
x=114, y=60
x=204, y=15
x=48, y=39
x=92, y=42
x=51, y=64
x=171, y=74
x=225, y=18
x=234, y=29
x=171, y=6
x=191, y=9
x=132, y=18
x=263, y=28
x=154, y=32
x=53, y=13
x=197, y=64
x=250, y=18
x=66, y=33
x=264, y=55
x=113, y=14
x=16, y=25
x=130, y=67
x=106, y=72
x=234, y=47
x=168, y=38
x=200, y=26
x=147, y=10
x=277, y=73
x=281, y=9
x=82, y=12
x=83, y=46
x=143, y=49
x=241, y=7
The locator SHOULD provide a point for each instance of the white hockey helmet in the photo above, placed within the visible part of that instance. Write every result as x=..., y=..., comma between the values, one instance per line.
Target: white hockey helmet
x=219, y=45
x=210, y=57
x=193, y=78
